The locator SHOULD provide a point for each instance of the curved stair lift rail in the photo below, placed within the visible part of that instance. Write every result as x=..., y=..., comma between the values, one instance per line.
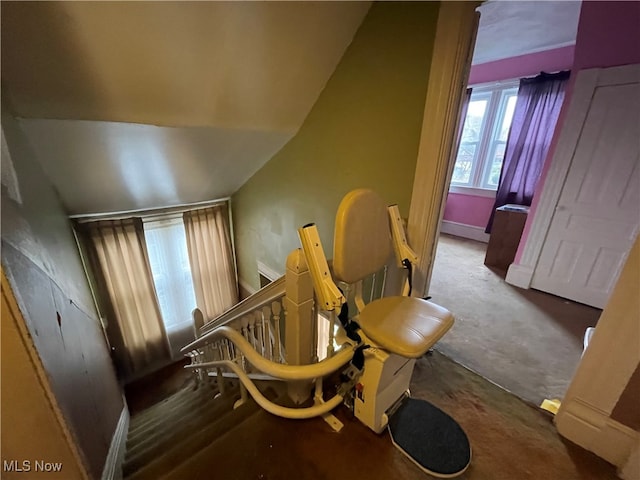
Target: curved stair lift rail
x=316, y=410
x=248, y=344
x=278, y=370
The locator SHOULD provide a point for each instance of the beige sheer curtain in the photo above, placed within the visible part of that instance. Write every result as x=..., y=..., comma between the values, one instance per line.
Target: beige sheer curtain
x=211, y=259
x=125, y=274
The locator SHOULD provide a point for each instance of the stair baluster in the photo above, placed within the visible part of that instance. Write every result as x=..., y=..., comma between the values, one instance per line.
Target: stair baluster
x=276, y=308
x=268, y=334
x=259, y=330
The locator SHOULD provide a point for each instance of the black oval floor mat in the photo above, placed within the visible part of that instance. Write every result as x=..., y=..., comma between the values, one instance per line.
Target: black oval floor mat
x=431, y=438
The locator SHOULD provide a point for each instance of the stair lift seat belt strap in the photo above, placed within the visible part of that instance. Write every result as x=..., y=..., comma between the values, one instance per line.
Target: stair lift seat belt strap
x=351, y=374
x=350, y=327
x=409, y=266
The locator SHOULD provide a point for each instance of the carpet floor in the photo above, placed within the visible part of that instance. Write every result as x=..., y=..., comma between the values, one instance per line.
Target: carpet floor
x=526, y=341
x=510, y=440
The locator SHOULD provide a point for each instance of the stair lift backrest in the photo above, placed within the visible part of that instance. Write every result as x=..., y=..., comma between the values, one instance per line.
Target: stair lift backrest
x=362, y=241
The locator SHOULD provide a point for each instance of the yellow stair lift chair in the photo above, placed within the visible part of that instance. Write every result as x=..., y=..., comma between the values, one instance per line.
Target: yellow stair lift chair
x=392, y=332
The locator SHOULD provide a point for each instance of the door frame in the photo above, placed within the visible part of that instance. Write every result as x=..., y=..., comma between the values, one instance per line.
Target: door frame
x=586, y=82
x=448, y=77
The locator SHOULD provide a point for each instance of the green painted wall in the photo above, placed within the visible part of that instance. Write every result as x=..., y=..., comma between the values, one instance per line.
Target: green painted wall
x=363, y=131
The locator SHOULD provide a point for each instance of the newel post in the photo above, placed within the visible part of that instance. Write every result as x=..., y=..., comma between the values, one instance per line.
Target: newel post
x=300, y=325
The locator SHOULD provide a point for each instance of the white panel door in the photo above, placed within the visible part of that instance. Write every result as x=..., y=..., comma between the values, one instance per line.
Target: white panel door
x=597, y=216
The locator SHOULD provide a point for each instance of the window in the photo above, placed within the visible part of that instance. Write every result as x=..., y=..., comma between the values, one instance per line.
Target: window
x=167, y=247
x=154, y=290
x=484, y=137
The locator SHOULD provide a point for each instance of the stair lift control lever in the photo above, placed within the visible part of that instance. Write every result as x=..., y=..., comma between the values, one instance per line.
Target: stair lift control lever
x=329, y=295
x=405, y=256
x=400, y=245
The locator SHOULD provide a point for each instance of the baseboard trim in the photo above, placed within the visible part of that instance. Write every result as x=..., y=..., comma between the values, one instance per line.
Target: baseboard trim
x=466, y=231
x=113, y=465
x=519, y=275
x=595, y=431
x=246, y=287
x=267, y=271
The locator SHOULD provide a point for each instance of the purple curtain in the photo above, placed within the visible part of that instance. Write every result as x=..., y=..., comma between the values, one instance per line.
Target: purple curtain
x=532, y=128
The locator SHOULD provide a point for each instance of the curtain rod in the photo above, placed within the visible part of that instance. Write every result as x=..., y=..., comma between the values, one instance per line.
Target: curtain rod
x=495, y=83
x=148, y=212
x=516, y=80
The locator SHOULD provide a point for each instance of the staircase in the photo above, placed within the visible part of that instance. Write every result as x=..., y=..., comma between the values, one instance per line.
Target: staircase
x=251, y=343
x=167, y=434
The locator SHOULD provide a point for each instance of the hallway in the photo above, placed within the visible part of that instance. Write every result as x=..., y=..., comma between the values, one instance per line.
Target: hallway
x=526, y=341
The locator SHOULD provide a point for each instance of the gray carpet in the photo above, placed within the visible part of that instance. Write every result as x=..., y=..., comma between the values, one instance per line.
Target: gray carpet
x=526, y=341
x=171, y=431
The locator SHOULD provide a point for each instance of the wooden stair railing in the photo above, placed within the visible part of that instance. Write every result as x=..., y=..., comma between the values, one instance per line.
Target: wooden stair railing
x=273, y=335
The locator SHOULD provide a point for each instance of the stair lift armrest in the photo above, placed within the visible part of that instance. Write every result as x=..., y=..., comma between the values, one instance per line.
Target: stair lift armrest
x=400, y=245
x=328, y=293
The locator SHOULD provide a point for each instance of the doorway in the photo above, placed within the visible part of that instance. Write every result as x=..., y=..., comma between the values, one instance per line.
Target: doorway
x=526, y=341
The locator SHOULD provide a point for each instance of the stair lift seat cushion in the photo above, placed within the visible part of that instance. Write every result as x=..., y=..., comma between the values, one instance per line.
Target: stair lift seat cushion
x=406, y=326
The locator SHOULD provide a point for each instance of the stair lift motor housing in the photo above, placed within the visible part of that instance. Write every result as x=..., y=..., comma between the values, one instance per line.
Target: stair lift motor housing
x=384, y=382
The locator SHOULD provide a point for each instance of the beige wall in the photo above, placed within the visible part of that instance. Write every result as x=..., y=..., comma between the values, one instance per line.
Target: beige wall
x=596, y=413
x=41, y=261
x=626, y=411
x=32, y=430
x=363, y=131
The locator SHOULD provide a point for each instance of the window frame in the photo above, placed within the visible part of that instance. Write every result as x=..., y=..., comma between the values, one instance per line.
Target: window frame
x=160, y=222
x=498, y=94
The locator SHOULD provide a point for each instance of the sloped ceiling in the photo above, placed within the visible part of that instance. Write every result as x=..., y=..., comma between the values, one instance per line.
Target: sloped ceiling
x=132, y=105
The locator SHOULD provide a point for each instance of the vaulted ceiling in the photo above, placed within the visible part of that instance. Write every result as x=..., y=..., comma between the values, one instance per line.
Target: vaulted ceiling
x=142, y=104
x=131, y=105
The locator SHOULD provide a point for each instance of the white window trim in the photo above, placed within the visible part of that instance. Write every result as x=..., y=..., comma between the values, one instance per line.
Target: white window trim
x=476, y=192
x=159, y=221
x=162, y=220
x=502, y=84
x=477, y=185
